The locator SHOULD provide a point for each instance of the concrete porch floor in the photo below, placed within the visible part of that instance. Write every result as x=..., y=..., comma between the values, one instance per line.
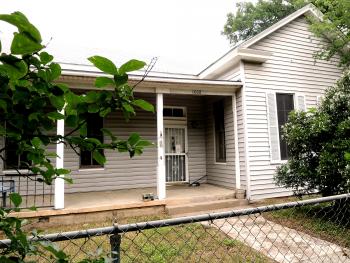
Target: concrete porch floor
x=110, y=203
x=175, y=194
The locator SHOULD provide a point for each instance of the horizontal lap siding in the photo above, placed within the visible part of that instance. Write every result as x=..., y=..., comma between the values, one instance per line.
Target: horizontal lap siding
x=221, y=174
x=291, y=68
x=121, y=172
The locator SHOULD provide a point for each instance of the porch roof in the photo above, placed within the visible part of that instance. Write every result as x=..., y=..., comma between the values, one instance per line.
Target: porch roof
x=155, y=82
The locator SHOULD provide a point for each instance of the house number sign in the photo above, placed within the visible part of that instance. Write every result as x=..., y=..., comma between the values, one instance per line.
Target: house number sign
x=196, y=92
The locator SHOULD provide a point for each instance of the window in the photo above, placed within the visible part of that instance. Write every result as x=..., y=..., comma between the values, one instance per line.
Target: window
x=94, y=126
x=219, y=123
x=12, y=159
x=285, y=104
x=174, y=112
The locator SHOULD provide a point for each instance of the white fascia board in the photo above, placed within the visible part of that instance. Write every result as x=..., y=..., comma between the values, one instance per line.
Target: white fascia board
x=233, y=58
x=66, y=72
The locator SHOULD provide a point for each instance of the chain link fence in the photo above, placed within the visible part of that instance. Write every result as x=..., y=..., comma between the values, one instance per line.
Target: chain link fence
x=314, y=230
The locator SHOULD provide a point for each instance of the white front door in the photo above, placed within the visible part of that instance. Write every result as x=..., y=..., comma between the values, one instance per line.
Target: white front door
x=175, y=154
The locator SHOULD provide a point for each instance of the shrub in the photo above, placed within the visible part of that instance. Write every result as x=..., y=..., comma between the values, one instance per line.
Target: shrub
x=318, y=141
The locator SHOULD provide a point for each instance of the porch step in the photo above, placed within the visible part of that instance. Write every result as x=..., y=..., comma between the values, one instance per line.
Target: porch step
x=209, y=206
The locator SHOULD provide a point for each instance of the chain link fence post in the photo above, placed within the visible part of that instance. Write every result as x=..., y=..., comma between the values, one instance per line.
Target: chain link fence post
x=115, y=240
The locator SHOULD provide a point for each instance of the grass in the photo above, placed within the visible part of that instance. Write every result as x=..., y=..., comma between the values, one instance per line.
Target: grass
x=328, y=221
x=185, y=243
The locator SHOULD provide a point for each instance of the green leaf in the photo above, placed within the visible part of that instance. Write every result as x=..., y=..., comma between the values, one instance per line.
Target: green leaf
x=143, y=105
x=71, y=120
x=33, y=116
x=55, y=71
x=16, y=199
x=68, y=179
x=36, y=142
x=93, y=108
x=120, y=79
x=104, y=64
x=22, y=23
x=54, y=115
x=103, y=113
x=57, y=101
x=62, y=171
x=45, y=57
x=144, y=143
x=109, y=133
x=32, y=208
x=131, y=65
x=93, y=141
x=128, y=108
x=22, y=45
x=133, y=139
x=91, y=97
x=83, y=130
x=3, y=105
x=101, y=82
x=99, y=157
x=347, y=156
x=14, y=69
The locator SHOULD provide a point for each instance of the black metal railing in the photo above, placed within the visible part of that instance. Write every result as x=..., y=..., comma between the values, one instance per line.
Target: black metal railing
x=34, y=192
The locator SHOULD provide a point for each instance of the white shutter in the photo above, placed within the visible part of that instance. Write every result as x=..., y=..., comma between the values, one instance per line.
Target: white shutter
x=318, y=100
x=300, y=102
x=273, y=127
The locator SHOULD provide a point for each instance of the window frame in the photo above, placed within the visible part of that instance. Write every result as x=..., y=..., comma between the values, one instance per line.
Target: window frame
x=183, y=108
x=93, y=166
x=216, y=161
x=5, y=167
x=294, y=96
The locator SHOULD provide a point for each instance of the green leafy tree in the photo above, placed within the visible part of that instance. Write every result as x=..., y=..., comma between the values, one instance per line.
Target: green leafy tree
x=32, y=101
x=335, y=27
x=252, y=18
x=317, y=142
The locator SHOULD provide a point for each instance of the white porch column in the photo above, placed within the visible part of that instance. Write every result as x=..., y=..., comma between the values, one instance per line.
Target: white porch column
x=59, y=182
x=161, y=185
x=235, y=130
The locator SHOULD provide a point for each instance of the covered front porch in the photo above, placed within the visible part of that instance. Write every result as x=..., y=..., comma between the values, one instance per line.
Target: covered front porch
x=185, y=132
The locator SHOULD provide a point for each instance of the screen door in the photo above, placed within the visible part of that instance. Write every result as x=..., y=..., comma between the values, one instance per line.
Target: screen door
x=175, y=154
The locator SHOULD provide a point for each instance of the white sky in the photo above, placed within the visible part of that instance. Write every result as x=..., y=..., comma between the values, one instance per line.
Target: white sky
x=185, y=35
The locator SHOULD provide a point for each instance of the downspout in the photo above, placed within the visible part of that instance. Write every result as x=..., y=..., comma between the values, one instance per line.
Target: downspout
x=245, y=118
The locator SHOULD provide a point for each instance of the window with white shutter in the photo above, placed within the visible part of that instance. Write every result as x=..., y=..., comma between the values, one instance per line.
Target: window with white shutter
x=273, y=127
x=279, y=105
x=318, y=100
x=300, y=102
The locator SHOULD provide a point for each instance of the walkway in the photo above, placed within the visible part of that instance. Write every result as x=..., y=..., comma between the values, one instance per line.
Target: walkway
x=280, y=243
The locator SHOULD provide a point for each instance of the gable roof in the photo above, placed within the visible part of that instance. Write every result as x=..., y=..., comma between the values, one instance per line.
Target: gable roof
x=232, y=56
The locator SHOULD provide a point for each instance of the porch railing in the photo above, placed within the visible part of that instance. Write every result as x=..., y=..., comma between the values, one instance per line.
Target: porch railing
x=34, y=193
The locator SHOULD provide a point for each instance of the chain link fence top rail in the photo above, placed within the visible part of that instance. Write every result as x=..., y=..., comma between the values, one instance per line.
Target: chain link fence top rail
x=314, y=230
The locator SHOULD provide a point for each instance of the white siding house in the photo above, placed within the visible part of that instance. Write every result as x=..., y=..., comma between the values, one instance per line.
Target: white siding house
x=248, y=81
x=289, y=67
